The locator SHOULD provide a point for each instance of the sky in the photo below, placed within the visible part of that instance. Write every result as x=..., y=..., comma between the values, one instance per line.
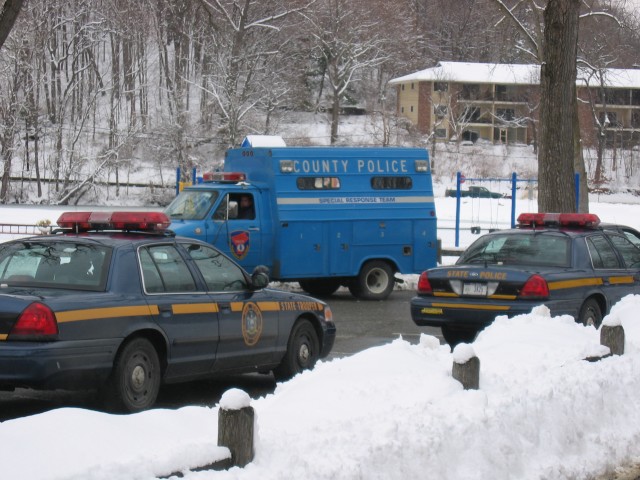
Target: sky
x=389, y=412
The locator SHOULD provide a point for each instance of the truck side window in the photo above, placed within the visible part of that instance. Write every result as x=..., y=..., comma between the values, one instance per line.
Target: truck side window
x=221, y=211
x=391, y=183
x=318, y=183
x=220, y=273
x=245, y=206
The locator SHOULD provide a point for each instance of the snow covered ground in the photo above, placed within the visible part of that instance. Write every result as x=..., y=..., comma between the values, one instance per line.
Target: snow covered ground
x=390, y=412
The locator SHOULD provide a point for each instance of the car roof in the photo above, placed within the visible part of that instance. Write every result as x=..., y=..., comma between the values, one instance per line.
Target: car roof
x=108, y=238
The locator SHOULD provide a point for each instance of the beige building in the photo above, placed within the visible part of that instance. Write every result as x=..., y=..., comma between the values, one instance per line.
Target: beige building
x=499, y=102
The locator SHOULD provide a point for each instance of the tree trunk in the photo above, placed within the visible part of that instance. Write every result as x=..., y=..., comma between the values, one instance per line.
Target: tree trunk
x=556, y=156
x=8, y=15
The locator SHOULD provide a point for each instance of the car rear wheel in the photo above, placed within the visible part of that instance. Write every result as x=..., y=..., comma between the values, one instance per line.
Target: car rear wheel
x=374, y=282
x=303, y=351
x=135, y=380
x=454, y=336
x=590, y=313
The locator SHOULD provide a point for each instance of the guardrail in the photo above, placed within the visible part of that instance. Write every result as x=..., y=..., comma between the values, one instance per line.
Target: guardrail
x=22, y=229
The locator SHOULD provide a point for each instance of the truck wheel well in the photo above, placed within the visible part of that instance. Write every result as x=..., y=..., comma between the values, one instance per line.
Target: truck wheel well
x=388, y=261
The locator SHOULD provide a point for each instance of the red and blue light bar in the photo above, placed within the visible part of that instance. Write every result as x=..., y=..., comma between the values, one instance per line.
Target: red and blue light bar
x=581, y=220
x=139, y=221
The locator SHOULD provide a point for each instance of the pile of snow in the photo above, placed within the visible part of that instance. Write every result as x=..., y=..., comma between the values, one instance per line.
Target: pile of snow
x=390, y=412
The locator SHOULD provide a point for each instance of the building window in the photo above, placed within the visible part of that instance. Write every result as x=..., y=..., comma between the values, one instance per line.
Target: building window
x=470, y=91
x=440, y=111
x=440, y=86
x=402, y=87
x=412, y=86
x=635, y=97
x=618, y=96
x=609, y=119
x=441, y=133
x=412, y=108
x=401, y=109
x=501, y=93
x=470, y=115
x=635, y=120
x=505, y=114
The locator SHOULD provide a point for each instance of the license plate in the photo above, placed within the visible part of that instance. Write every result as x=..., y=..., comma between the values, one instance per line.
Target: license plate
x=478, y=289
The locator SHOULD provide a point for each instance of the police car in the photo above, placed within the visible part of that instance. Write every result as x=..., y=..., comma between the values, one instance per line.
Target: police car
x=567, y=262
x=115, y=301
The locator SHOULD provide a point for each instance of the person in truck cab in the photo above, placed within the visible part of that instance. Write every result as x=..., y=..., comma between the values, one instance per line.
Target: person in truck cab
x=246, y=210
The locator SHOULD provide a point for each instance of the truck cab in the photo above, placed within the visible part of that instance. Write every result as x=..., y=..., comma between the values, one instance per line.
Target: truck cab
x=324, y=217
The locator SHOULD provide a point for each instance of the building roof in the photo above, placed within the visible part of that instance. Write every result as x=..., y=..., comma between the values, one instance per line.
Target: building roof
x=512, y=74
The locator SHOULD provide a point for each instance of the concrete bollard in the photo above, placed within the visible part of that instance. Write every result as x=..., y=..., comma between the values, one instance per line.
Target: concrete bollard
x=466, y=366
x=612, y=336
x=236, y=420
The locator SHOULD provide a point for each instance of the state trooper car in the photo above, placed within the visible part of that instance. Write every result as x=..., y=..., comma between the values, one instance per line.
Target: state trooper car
x=567, y=262
x=115, y=301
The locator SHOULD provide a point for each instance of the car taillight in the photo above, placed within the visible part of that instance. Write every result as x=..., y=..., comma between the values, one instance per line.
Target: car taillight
x=423, y=284
x=36, y=322
x=535, y=287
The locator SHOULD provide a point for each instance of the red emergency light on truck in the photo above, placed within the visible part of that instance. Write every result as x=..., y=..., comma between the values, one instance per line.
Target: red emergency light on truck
x=322, y=216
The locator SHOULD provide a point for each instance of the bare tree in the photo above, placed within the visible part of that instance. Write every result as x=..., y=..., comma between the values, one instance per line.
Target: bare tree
x=246, y=37
x=344, y=47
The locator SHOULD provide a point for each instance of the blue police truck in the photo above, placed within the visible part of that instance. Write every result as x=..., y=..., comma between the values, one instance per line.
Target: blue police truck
x=322, y=216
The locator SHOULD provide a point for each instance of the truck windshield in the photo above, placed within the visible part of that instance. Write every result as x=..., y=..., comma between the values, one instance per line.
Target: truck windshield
x=192, y=204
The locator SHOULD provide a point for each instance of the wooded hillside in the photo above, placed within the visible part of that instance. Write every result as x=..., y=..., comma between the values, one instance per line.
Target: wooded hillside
x=89, y=86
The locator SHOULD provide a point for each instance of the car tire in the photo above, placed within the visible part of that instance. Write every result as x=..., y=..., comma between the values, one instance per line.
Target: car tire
x=320, y=287
x=454, y=336
x=303, y=351
x=374, y=282
x=135, y=380
x=590, y=313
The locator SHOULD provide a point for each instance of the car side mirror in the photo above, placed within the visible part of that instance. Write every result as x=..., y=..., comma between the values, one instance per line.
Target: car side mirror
x=260, y=277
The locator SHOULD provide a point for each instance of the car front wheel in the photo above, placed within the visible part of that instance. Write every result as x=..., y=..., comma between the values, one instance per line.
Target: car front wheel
x=303, y=351
x=135, y=380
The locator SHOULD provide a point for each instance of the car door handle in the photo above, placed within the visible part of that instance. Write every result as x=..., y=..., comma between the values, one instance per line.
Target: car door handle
x=224, y=307
x=165, y=310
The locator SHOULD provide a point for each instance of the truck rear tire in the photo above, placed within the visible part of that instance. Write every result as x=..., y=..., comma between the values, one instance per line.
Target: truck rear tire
x=374, y=282
x=323, y=287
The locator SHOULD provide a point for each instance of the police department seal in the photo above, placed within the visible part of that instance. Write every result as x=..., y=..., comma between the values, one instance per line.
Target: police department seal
x=251, y=323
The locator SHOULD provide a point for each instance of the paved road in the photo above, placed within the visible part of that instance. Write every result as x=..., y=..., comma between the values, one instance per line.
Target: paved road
x=360, y=325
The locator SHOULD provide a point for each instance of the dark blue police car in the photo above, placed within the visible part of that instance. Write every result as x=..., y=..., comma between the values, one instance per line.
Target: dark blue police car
x=564, y=261
x=117, y=302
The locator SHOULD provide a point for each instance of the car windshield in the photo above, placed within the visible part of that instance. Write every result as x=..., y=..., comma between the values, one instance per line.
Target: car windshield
x=54, y=264
x=191, y=204
x=537, y=249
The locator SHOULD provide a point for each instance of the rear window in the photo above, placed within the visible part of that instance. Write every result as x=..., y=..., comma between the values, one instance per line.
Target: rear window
x=76, y=266
x=519, y=249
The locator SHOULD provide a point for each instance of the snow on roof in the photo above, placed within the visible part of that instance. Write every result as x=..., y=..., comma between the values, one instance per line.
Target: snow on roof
x=475, y=73
x=263, y=141
x=512, y=74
